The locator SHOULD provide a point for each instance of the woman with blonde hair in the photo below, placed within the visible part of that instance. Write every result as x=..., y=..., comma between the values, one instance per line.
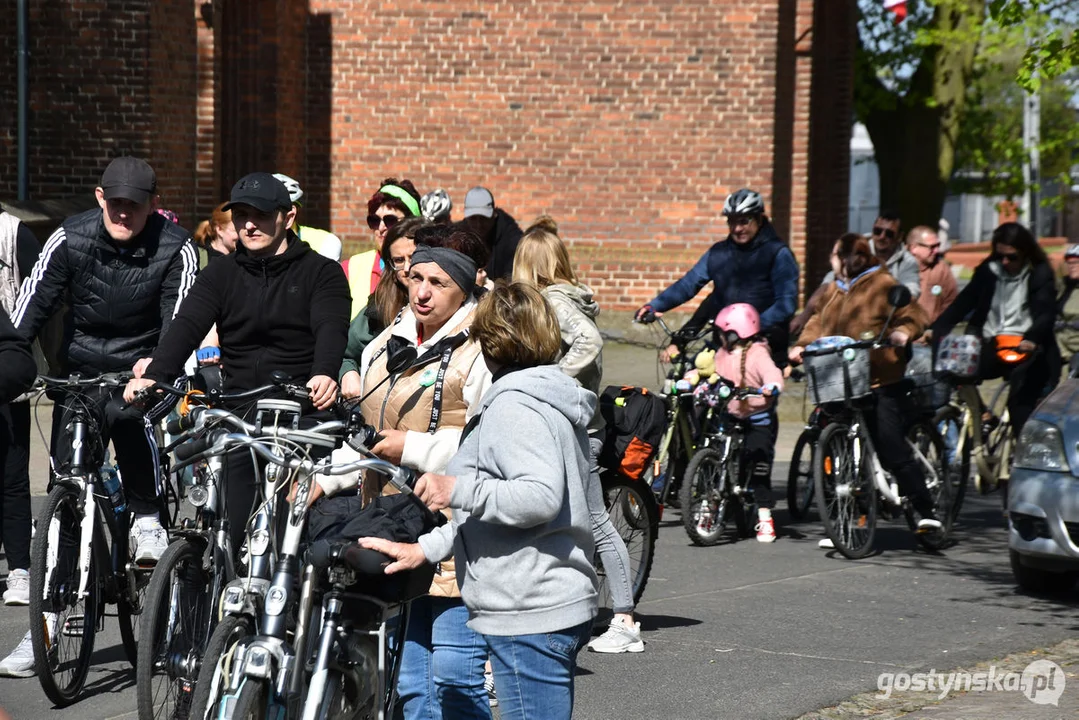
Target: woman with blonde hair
x=542, y=261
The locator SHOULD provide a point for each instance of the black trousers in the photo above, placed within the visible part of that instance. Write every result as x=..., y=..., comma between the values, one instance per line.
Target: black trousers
x=15, y=513
x=758, y=454
x=132, y=437
x=887, y=425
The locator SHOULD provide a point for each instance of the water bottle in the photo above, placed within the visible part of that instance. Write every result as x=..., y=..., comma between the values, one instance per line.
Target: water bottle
x=110, y=480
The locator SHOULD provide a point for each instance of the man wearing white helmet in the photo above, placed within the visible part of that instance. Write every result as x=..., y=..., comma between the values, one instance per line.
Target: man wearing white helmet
x=751, y=265
x=1068, y=311
x=323, y=242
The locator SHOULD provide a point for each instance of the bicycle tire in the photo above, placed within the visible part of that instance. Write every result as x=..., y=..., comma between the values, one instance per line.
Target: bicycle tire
x=706, y=502
x=633, y=512
x=958, y=473
x=61, y=679
x=800, y=481
x=929, y=442
x=252, y=703
x=179, y=583
x=230, y=630
x=850, y=518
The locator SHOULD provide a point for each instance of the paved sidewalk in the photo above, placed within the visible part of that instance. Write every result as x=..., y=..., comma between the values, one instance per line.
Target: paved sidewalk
x=1038, y=696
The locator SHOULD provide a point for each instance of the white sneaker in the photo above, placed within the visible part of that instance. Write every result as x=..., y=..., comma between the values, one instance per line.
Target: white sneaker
x=20, y=663
x=929, y=524
x=18, y=588
x=148, y=538
x=619, y=638
x=826, y=544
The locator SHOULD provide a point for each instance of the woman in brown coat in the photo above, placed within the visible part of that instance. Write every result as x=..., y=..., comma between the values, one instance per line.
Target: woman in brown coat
x=856, y=305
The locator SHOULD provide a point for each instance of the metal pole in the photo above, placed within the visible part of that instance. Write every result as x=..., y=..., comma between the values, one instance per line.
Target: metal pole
x=1032, y=118
x=23, y=72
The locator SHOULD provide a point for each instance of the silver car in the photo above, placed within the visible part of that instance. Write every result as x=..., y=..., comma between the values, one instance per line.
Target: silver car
x=1043, y=496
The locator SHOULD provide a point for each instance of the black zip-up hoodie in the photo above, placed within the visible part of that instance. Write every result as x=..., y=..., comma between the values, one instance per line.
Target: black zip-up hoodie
x=288, y=312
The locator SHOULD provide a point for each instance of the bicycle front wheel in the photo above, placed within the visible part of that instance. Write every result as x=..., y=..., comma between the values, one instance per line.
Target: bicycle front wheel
x=175, y=629
x=706, y=501
x=253, y=702
x=846, y=499
x=800, y=477
x=633, y=512
x=63, y=622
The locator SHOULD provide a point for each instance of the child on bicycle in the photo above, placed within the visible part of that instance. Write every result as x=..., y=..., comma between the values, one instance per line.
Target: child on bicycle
x=745, y=360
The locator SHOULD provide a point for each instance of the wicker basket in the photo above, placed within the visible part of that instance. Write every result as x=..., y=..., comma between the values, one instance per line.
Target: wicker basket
x=927, y=393
x=838, y=377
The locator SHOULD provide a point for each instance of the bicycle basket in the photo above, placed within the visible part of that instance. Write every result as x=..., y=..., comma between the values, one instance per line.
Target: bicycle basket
x=840, y=376
x=927, y=393
x=958, y=356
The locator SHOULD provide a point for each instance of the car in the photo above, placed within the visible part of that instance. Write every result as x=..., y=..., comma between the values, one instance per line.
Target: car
x=1043, y=495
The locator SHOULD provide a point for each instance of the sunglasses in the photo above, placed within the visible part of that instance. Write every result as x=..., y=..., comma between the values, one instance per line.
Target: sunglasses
x=1008, y=257
x=373, y=221
x=935, y=246
x=739, y=220
x=884, y=232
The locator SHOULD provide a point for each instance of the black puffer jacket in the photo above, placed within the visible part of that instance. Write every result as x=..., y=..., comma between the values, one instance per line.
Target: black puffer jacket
x=121, y=299
x=288, y=312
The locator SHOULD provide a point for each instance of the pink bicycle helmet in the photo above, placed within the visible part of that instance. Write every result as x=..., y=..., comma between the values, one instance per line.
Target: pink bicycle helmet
x=740, y=318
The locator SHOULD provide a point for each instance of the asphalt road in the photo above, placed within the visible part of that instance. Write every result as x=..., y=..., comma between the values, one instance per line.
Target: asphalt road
x=746, y=630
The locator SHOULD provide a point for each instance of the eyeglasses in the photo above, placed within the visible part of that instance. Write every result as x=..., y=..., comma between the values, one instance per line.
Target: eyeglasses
x=373, y=221
x=400, y=263
x=738, y=220
x=883, y=232
x=1008, y=257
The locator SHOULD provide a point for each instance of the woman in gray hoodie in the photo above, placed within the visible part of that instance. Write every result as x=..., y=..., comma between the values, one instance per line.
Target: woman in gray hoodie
x=521, y=532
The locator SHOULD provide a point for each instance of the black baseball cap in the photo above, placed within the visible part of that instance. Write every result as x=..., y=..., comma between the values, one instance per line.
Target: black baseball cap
x=261, y=191
x=129, y=178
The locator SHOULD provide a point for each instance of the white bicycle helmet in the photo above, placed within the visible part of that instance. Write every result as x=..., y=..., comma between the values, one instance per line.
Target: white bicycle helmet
x=744, y=202
x=1072, y=251
x=436, y=205
x=295, y=192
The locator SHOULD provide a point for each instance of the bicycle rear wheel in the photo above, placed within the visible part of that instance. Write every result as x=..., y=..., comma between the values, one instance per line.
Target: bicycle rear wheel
x=706, y=499
x=949, y=423
x=930, y=455
x=846, y=501
x=800, y=476
x=175, y=629
x=63, y=624
x=635, y=517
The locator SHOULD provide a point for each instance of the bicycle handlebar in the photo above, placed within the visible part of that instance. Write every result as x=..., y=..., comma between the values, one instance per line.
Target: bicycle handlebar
x=75, y=381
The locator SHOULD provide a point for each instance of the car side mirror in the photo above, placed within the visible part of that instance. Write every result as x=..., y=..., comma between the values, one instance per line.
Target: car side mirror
x=899, y=296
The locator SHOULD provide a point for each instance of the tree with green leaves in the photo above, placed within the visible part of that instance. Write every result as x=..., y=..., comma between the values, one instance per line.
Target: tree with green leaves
x=1052, y=42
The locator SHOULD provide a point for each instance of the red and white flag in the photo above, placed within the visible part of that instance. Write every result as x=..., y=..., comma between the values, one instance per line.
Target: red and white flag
x=899, y=7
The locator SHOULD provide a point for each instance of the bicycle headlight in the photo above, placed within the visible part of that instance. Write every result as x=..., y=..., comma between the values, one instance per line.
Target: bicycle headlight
x=1041, y=448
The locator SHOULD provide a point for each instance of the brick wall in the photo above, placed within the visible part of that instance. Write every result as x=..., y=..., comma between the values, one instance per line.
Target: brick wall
x=99, y=89
x=629, y=122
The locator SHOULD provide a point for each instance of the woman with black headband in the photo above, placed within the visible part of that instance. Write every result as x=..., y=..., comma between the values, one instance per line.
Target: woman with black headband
x=420, y=413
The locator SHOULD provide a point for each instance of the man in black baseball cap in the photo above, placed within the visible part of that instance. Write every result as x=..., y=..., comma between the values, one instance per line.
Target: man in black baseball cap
x=129, y=178
x=262, y=212
x=277, y=304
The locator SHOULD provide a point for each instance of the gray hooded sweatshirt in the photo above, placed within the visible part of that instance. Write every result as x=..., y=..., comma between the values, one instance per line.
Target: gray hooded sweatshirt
x=521, y=533
x=582, y=345
x=1010, y=312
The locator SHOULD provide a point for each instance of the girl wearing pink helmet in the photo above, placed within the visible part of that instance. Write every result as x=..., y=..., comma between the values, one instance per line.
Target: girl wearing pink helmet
x=744, y=359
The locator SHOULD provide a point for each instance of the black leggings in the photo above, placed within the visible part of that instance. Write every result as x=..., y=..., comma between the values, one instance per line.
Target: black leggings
x=15, y=514
x=758, y=453
x=887, y=425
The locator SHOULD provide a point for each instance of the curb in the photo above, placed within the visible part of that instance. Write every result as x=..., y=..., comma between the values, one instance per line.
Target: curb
x=870, y=705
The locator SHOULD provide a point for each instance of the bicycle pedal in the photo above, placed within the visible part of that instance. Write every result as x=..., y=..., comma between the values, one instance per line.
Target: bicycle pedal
x=73, y=626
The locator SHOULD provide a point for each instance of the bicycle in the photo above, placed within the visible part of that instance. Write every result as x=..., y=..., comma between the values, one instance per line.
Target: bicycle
x=851, y=485
x=635, y=516
x=684, y=430
x=79, y=571
x=715, y=490
x=199, y=563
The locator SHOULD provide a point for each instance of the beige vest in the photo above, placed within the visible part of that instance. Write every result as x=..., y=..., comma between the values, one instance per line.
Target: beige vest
x=407, y=405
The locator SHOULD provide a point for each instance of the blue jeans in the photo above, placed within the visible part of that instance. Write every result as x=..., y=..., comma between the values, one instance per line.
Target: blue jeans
x=534, y=673
x=442, y=664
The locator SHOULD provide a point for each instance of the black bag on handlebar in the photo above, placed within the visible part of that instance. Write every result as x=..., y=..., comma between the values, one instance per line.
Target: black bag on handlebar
x=390, y=517
x=635, y=421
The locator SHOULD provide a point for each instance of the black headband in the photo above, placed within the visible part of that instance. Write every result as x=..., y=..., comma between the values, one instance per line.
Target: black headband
x=460, y=267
